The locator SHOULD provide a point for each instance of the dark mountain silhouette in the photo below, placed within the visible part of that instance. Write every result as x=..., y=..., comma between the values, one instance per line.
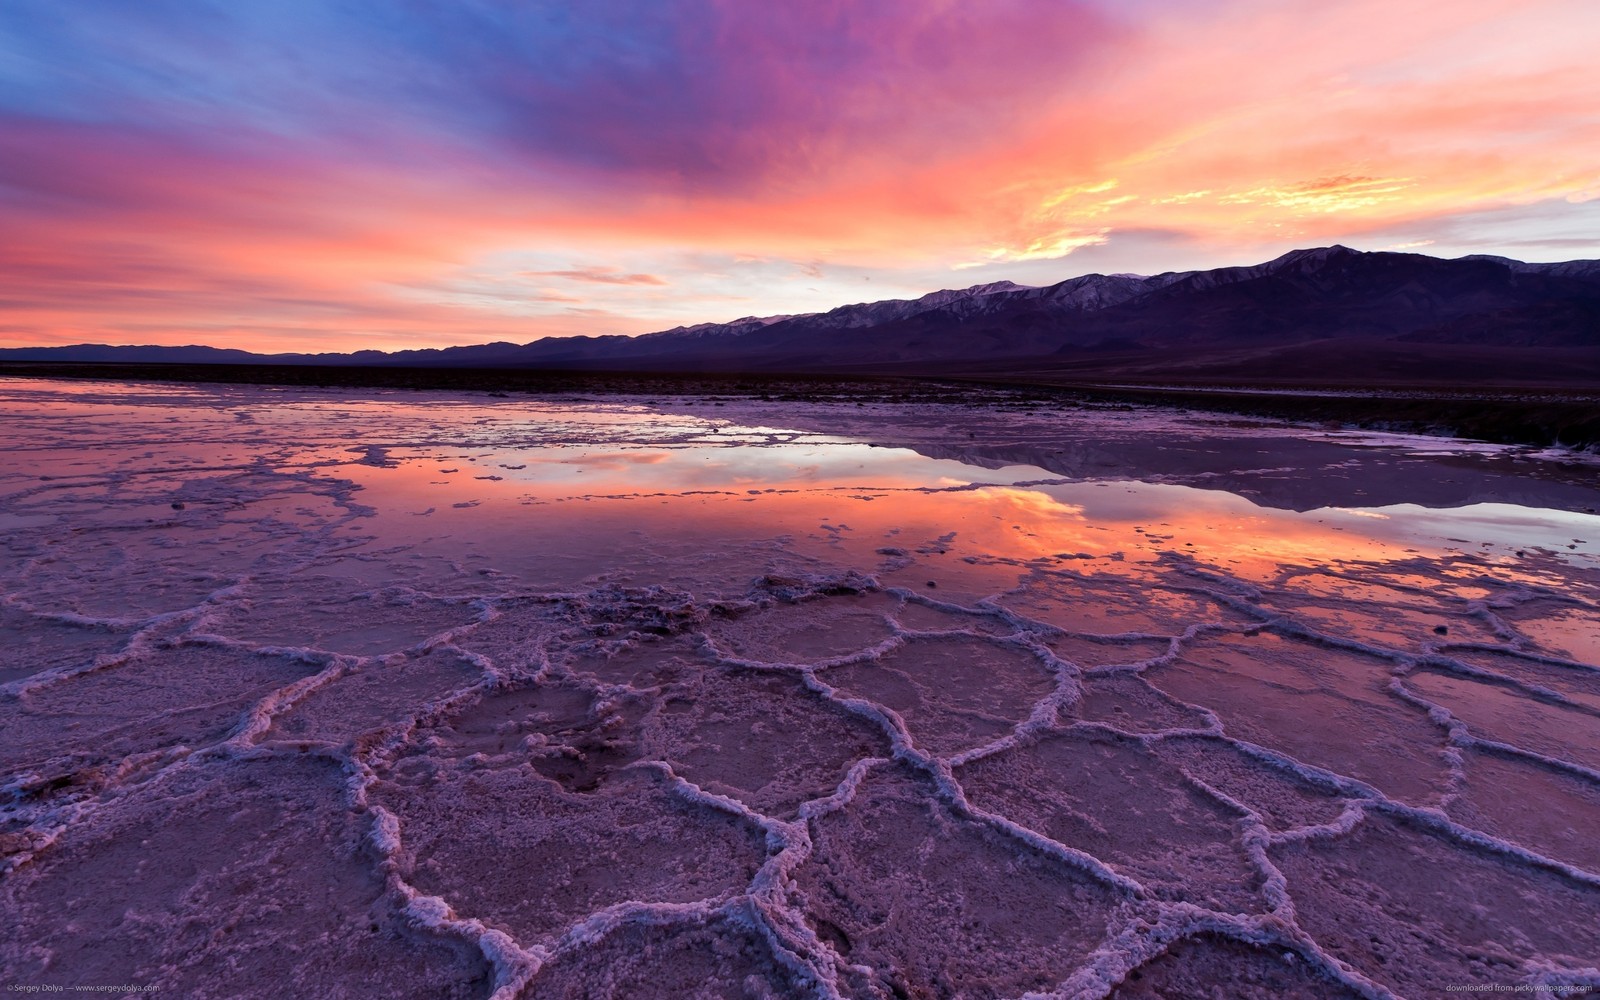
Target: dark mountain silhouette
x=1321, y=313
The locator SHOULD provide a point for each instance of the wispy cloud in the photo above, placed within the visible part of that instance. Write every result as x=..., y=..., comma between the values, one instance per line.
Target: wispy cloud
x=600, y=276
x=328, y=171
x=1325, y=194
x=1412, y=245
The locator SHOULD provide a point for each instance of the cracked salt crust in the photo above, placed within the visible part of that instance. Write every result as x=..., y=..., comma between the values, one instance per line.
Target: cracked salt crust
x=784, y=700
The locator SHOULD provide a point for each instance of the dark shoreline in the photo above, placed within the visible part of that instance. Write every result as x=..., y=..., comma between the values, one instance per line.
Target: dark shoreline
x=1505, y=416
x=1557, y=414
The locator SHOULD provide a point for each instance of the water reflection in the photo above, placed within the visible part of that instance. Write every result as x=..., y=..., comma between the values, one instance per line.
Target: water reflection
x=863, y=498
x=542, y=624
x=599, y=486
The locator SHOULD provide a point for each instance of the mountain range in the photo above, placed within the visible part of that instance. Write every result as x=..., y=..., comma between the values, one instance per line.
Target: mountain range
x=1326, y=313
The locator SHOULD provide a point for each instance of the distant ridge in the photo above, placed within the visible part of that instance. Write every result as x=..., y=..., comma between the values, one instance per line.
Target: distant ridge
x=1471, y=318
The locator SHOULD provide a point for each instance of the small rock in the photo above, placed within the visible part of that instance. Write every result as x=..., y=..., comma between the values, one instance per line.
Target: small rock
x=1441, y=630
x=178, y=505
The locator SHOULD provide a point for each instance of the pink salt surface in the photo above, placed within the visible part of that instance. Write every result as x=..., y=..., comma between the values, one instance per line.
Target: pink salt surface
x=309, y=693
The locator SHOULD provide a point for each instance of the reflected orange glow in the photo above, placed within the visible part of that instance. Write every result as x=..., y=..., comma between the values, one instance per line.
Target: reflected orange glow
x=973, y=541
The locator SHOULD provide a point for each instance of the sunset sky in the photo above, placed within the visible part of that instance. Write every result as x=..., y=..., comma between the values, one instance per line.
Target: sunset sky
x=290, y=175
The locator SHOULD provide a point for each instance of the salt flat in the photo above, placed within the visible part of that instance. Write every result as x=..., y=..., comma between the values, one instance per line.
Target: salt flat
x=363, y=693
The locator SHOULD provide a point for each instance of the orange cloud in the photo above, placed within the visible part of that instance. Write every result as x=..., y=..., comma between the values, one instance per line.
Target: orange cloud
x=1238, y=127
x=600, y=275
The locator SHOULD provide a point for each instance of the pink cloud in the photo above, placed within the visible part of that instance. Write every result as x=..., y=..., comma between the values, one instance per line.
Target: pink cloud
x=882, y=135
x=601, y=276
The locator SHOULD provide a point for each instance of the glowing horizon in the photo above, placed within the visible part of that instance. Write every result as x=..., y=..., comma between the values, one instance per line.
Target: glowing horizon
x=303, y=176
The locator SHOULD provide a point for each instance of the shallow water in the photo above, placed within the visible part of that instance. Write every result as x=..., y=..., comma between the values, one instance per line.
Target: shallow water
x=464, y=696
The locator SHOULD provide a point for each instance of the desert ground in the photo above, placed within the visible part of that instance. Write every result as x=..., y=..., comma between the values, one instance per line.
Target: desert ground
x=382, y=692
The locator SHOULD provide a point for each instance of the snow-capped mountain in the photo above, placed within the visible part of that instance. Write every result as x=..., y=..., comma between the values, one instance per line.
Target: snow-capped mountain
x=1323, y=302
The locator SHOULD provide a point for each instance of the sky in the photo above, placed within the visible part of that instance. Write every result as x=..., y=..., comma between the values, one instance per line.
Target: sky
x=316, y=175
